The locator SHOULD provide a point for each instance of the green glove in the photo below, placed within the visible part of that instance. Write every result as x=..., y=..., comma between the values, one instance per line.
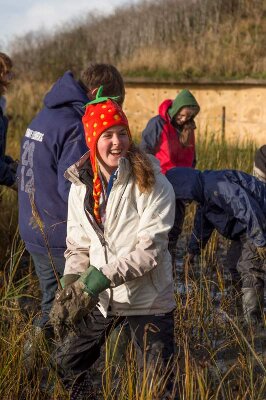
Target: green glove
x=68, y=279
x=94, y=281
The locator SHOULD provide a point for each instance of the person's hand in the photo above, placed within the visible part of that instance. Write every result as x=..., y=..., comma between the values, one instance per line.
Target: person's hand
x=77, y=299
x=59, y=313
x=94, y=281
x=82, y=295
x=67, y=279
x=70, y=305
x=262, y=252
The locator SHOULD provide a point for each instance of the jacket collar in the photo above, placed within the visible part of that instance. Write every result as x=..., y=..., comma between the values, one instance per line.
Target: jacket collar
x=81, y=171
x=76, y=171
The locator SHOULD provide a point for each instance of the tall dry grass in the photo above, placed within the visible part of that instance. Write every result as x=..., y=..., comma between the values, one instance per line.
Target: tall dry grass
x=163, y=39
x=216, y=358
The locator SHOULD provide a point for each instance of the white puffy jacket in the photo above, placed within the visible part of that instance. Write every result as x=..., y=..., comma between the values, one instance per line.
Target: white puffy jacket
x=133, y=250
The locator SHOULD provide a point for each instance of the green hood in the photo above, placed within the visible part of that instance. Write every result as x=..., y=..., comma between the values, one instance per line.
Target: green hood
x=184, y=99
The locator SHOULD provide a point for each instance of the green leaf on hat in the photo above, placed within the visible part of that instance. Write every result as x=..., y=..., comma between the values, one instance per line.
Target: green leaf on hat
x=100, y=99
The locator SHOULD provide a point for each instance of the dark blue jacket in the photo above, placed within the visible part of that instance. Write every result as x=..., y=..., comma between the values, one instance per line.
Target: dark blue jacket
x=232, y=202
x=7, y=175
x=53, y=141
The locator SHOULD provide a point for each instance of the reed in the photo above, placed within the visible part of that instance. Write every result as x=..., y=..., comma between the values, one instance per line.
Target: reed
x=216, y=357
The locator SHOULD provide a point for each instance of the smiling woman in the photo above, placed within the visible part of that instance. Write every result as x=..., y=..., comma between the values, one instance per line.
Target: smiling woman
x=112, y=145
x=120, y=211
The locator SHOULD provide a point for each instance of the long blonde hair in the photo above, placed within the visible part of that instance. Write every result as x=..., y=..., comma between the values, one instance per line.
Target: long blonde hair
x=142, y=169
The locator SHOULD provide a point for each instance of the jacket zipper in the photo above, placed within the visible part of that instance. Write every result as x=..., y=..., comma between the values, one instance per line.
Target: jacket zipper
x=103, y=243
x=99, y=234
x=118, y=203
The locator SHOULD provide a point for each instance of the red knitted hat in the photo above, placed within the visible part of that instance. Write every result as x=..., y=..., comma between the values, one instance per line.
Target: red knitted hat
x=101, y=114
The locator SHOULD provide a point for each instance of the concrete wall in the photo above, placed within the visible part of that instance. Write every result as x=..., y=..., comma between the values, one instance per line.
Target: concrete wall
x=245, y=107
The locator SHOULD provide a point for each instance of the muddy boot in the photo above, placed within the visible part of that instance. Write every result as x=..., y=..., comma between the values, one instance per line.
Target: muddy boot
x=252, y=301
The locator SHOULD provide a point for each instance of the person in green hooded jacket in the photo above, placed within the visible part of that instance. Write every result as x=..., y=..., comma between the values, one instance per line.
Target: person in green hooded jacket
x=170, y=137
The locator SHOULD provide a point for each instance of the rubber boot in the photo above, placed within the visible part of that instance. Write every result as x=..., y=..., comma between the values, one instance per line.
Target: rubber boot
x=252, y=301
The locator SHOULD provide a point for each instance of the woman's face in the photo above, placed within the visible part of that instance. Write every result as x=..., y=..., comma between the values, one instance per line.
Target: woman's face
x=111, y=146
x=184, y=115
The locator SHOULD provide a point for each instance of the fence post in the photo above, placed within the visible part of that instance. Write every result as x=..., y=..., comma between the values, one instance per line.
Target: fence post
x=223, y=123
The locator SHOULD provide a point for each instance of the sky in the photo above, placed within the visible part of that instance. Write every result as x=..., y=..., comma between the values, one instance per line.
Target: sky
x=18, y=17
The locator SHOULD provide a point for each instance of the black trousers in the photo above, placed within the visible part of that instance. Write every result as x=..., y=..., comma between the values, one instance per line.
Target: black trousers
x=78, y=352
x=232, y=257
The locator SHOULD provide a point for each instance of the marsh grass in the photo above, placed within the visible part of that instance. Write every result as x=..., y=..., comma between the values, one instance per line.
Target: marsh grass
x=216, y=356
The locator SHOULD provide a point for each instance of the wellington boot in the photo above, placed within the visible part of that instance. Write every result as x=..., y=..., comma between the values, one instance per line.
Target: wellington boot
x=252, y=301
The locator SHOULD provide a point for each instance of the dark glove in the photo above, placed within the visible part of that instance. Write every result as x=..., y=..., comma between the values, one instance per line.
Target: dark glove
x=75, y=303
x=70, y=306
x=78, y=299
x=59, y=312
x=83, y=294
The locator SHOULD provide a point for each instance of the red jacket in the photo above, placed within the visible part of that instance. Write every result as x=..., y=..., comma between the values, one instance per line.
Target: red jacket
x=161, y=139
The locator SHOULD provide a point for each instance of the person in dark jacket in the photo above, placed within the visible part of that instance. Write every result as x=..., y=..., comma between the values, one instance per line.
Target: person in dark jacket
x=8, y=166
x=235, y=248
x=259, y=167
x=169, y=136
x=53, y=141
x=233, y=203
